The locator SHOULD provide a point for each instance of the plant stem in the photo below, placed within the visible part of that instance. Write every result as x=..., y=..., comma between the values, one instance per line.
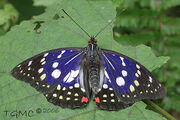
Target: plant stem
x=159, y=110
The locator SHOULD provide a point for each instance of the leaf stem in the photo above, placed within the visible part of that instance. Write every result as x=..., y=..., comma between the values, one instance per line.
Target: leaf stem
x=159, y=110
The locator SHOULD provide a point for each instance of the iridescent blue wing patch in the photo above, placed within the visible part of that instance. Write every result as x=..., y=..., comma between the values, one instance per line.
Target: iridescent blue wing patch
x=58, y=74
x=128, y=79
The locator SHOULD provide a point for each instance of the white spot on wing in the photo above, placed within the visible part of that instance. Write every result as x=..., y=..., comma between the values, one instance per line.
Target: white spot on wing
x=120, y=81
x=67, y=76
x=72, y=75
x=112, y=94
x=106, y=74
x=63, y=51
x=136, y=83
x=60, y=55
x=124, y=73
x=42, y=60
x=56, y=73
x=122, y=59
x=30, y=62
x=137, y=75
x=64, y=88
x=76, y=94
x=43, y=63
x=40, y=70
x=68, y=98
x=111, y=89
x=60, y=97
x=76, y=85
x=43, y=76
x=137, y=66
x=29, y=68
x=105, y=86
x=54, y=95
x=46, y=54
x=138, y=72
x=150, y=79
x=19, y=65
x=58, y=87
x=71, y=87
x=132, y=89
x=55, y=64
x=104, y=96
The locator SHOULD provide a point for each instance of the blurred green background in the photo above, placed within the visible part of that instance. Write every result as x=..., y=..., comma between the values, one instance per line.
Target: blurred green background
x=155, y=23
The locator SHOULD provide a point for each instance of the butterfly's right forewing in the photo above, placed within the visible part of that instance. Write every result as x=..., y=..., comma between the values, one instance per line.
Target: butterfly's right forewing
x=130, y=80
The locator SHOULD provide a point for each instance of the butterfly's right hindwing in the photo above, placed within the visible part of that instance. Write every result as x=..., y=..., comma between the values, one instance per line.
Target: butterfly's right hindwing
x=58, y=74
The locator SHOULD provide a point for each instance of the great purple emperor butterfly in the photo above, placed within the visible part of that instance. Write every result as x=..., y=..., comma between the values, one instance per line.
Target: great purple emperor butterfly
x=68, y=76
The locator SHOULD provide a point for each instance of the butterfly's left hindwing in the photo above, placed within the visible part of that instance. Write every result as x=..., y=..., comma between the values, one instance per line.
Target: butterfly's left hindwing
x=130, y=80
x=58, y=74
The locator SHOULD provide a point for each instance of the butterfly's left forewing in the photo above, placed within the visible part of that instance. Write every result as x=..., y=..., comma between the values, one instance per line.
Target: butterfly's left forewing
x=129, y=80
x=58, y=74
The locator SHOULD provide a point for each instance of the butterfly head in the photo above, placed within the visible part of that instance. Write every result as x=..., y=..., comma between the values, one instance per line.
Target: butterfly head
x=92, y=40
x=92, y=48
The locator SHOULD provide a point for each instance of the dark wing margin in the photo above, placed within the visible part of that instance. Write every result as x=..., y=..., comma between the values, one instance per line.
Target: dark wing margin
x=58, y=74
x=130, y=80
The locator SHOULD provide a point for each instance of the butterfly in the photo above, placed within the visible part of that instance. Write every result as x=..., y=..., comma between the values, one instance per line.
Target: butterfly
x=68, y=77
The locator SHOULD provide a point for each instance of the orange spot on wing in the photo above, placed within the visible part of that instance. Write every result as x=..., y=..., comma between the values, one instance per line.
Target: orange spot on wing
x=97, y=99
x=84, y=99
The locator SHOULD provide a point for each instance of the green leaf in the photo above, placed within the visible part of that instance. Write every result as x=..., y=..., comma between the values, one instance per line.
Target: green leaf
x=44, y=2
x=46, y=32
x=8, y=15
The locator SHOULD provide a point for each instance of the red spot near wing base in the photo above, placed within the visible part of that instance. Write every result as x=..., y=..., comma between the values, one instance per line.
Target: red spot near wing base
x=84, y=99
x=97, y=99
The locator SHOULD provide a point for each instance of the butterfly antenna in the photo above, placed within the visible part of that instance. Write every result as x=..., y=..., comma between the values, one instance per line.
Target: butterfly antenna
x=109, y=23
x=75, y=22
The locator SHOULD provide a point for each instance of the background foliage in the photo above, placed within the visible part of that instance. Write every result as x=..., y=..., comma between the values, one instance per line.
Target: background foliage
x=154, y=23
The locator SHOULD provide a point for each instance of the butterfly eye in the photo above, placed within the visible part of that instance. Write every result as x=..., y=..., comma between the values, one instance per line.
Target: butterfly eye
x=95, y=40
x=89, y=40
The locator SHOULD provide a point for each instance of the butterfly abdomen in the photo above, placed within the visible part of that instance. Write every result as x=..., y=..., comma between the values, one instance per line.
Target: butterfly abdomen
x=94, y=76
